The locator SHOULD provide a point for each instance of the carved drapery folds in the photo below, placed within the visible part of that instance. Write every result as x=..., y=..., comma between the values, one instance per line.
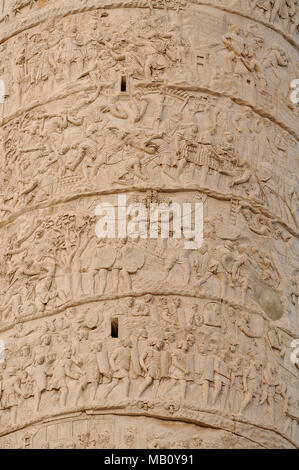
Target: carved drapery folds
x=169, y=101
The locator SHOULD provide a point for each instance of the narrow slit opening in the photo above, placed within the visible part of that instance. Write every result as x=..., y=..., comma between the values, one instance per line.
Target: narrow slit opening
x=114, y=327
x=123, y=84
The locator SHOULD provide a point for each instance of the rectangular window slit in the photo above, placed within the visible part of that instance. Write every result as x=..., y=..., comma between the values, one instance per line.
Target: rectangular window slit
x=123, y=84
x=114, y=327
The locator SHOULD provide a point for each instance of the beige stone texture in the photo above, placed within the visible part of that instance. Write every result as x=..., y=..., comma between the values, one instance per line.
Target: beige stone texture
x=141, y=343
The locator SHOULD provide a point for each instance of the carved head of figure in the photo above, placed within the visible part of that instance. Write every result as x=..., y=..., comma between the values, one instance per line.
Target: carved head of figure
x=228, y=138
x=138, y=96
x=284, y=56
x=248, y=112
x=67, y=353
x=156, y=344
x=20, y=60
x=39, y=360
x=82, y=334
x=25, y=351
x=33, y=129
x=223, y=354
x=84, y=440
x=229, y=245
x=213, y=344
x=121, y=242
x=267, y=262
x=193, y=130
x=51, y=25
x=125, y=342
x=90, y=130
x=202, y=347
x=96, y=347
x=46, y=340
x=232, y=314
x=50, y=358
x=183, y=346
x=73, y=30
x=130, y=436
x=209, y=230
x=194, y=308
x=148, y=298
x=169, y=336
x=130, y=302
x=241, y=248
x=94, y=24
x=12, y=371
x=190, y=339
x=142, y=333
x=234, y=29
x=197, y=317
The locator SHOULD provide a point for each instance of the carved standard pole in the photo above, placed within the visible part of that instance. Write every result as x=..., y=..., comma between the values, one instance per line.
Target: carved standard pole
x=156, y=101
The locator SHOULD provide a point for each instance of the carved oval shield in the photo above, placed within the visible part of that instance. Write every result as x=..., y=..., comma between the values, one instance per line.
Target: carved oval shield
x=105, y=257
x=133, y=259
x=91, y=319
x=28, y=309
x=265, y=171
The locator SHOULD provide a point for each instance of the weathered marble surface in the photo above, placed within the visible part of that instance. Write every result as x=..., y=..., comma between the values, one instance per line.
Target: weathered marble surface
x=161, y=101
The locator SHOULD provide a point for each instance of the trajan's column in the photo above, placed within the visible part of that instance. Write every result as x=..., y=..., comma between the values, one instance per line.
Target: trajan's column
x=140, y=342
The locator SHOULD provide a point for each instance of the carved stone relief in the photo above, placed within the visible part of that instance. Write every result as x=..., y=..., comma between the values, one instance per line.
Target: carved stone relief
x=105, y=100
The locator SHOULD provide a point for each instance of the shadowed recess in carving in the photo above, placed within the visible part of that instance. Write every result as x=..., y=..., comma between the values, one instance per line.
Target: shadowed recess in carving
x=114, y=327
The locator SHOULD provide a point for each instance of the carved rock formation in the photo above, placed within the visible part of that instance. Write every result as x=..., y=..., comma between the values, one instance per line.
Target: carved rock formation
x=160, y=101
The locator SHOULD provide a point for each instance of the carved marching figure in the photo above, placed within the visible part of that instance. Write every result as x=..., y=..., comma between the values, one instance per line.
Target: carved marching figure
x=63, y=369
x=269, y=383
x=187, y=141
x=70, y=53
x=204, y=369
x=44, y=289
x=222, y=376
x=98, y=269
x=179, y=369
x=236, y=384
x=182, y=259
x=18, y=76
x=41, y=373
x=266, y=6
x=251, y=383
x=11, y=391
x=275, y=58
x=240, y=272
x=91, y=375
x=275, y=341
x=236, y=47
x=212, y=315
x=120, y=361
x=150, y=362
x=220, y=266
x=78, y=269
x=278, y=9
x=291, y=408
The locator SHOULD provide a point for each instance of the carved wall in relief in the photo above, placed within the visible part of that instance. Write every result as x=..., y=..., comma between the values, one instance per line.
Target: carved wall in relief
x=166, y=101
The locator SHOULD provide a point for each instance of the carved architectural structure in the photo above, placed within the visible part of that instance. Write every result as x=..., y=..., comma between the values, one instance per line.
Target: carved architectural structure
x=141, y=343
